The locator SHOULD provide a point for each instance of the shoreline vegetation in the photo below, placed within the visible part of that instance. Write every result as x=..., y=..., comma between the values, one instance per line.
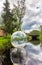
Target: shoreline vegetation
x=5, y=42
x=12, y=21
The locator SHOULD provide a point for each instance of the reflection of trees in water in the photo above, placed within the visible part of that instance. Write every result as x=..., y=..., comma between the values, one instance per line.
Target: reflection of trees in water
x=41, y=44
x=35, y=42
x=18, y=55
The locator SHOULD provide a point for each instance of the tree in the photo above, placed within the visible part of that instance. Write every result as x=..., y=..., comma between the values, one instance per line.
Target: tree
x=41, y=29
x=7, y=18
x=40, y=37
x=35, y=32
x=18, y=13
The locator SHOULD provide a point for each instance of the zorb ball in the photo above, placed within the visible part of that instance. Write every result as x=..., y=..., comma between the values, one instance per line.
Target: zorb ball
x=18, y=56
x=18, y=39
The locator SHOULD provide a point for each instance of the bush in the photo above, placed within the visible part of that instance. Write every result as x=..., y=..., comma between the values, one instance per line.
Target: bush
x=29, y=38
x=40, y=37
x=35, y=32
x=5, y=43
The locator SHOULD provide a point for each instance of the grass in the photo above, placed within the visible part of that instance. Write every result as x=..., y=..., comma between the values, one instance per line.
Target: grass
x=40, y=37
x=5, y=42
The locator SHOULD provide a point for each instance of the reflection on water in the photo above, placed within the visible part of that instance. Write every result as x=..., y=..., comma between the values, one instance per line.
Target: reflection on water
x=18, y=38
x=41, y=45
x=18, y=55
x=36, y=42
x=34, y=54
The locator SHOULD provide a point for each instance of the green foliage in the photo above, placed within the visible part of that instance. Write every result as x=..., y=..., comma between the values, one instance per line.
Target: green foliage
x=5, y=43
x=12, y=20
x=40, y=38
x=14, y=30
x=40, y=35
x=35, y=42
x=19, y=39
x=18, y=13
x=7, y=18
x=28, y=38
x=35, y=32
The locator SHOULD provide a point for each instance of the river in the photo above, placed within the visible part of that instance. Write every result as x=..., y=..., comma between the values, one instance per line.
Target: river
x=34, y=54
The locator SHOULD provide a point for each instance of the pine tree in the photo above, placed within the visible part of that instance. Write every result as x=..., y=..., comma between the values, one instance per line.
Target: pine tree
x=7, y=18
x=19, y=12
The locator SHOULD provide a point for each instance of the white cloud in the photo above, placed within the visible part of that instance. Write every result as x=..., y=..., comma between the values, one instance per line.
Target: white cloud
x=1, y=5
x=33, y=13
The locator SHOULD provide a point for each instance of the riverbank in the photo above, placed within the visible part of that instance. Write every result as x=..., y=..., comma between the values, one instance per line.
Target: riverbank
x=5, y=43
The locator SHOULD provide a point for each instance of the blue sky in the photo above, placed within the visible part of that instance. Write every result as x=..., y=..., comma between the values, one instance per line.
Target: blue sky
x=33, y=15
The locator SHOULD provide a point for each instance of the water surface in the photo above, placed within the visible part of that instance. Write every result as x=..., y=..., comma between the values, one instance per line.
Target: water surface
x=34, y=54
